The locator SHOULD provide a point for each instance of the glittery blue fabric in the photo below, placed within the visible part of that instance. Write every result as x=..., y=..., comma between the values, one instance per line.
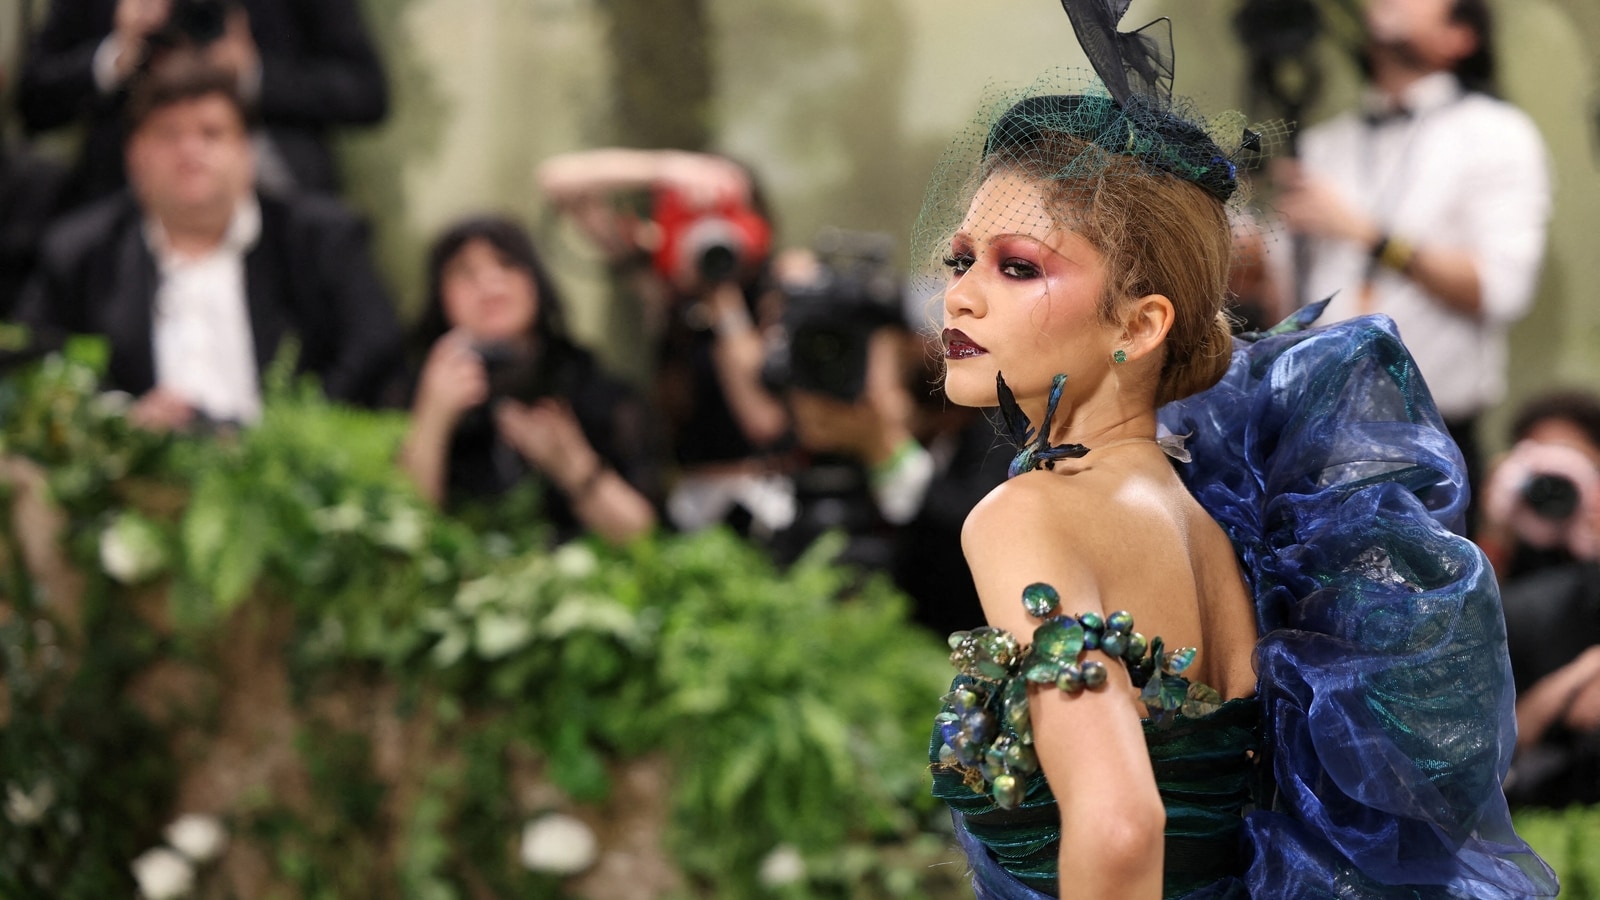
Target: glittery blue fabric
x=1384, y=684
x=1384, y=681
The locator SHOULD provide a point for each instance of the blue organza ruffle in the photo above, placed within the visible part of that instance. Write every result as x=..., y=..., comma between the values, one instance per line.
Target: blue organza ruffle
x=1383, y=675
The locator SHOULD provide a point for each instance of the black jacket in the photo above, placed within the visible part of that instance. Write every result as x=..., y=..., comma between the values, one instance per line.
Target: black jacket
x=309, y=275
x=318, y=69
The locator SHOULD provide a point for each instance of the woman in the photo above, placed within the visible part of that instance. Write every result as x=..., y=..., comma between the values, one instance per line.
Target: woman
x=503, y=395
x=1322, y=731
x=1049, y=278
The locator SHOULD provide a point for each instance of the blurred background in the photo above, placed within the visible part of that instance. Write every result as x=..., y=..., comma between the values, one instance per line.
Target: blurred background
x=370, y=684
x=842, y=108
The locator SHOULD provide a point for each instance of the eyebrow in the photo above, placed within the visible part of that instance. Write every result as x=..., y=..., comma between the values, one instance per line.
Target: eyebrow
x=994, y=238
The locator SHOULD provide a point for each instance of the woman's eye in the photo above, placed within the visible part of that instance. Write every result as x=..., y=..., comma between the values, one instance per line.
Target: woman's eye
x=959, y=263
x=1016, y=268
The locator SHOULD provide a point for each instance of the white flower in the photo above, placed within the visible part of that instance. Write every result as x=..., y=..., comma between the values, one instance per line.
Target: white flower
x=163, y=874
x=435, y=570
x=404, y=531
x=131, y=550
x=474, y=594
x=110, y=404
x=558, y=844
x=199, y=837
x=497, y=634
x=590, y=612
x=24, y=808
x=782, y=866
x=574, y=560
x=450, y=648
x=346, y=516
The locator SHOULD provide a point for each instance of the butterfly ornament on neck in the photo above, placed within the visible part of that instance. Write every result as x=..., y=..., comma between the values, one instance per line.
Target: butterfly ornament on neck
x=1035, y=450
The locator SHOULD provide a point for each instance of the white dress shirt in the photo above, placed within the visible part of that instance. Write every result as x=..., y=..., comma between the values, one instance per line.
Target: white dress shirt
x=1460, y=170
x=204, y=348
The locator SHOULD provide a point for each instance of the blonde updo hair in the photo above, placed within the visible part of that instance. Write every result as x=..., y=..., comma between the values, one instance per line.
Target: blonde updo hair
x=1158, y=233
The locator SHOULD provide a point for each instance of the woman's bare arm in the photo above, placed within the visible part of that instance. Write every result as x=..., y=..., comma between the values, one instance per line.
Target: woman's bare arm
x=1090, y=745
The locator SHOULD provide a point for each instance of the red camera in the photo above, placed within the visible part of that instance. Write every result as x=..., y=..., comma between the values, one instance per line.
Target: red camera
x=712, y=242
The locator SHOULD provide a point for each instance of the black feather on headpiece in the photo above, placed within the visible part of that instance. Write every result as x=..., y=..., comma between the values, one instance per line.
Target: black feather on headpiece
x=1129, y=63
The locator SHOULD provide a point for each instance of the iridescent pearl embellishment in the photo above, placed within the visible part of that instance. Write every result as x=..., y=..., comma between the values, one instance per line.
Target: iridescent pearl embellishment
x=986, y=726
x=1040, y=599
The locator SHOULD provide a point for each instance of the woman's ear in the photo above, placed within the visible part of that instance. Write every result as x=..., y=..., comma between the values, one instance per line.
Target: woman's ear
x=1145, y=325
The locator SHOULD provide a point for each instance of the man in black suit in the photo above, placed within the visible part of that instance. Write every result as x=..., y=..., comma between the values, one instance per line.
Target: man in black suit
x=305, y=65
x=197, y=279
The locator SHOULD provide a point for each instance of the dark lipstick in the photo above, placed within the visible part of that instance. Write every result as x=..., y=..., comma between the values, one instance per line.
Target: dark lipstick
x=958, y=346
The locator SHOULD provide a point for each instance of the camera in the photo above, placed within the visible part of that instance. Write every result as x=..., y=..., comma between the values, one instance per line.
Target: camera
x=1550, y=496
x=828, y=321
x=194, y=23
x=1544, y=495
x=516, y=371
x=1279, y=37
x=712, y=243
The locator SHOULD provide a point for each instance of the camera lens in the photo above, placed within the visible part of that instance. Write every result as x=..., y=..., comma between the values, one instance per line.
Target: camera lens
x=1551, y=497
x=718, y=262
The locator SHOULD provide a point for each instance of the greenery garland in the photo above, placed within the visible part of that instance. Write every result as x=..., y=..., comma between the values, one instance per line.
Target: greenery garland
x=784, y=711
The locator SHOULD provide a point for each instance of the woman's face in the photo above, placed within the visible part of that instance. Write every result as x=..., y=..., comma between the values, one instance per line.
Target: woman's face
x=486, y=295
x=1022, y=299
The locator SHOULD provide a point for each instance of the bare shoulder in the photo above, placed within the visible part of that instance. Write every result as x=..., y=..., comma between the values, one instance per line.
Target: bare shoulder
x=1018, y=508
x=1027, y=530
x=1047, y=510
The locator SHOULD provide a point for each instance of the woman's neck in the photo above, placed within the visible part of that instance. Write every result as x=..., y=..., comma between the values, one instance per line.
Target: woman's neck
x=1095, y=424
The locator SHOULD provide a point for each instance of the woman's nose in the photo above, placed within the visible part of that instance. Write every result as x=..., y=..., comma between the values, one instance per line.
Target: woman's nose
x=962, y=297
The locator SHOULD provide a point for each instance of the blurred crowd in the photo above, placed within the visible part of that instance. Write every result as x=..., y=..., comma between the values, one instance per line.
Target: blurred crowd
x=794, y=391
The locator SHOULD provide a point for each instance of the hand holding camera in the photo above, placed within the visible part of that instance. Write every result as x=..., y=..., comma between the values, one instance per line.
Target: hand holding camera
x=132, y=24
x=870, y=427
x=1547, y=496
x=218, y=29
x=453, y=381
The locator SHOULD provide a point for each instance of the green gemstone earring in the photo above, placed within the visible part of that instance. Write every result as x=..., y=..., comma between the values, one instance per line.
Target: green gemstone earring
x=1119, y=357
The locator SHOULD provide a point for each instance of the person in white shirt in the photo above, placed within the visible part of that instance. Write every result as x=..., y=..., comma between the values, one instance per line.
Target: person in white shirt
x=196, y=279
x=1429, y=204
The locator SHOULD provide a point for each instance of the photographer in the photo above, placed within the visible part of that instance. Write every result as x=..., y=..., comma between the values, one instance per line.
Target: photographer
x=1429, y=205
x=1542, y=501
x=305, y=66
x=698, y=264
x=503, y=396
x=1541, y=522
x=896, y=476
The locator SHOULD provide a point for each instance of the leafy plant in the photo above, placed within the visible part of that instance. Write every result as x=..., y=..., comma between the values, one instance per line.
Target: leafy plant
x=790, y=708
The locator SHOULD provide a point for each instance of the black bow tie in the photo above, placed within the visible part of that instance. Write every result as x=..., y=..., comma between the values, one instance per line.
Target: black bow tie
x=1378, y=117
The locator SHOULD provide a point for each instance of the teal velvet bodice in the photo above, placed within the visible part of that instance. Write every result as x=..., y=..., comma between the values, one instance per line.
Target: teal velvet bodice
x=1205, y=771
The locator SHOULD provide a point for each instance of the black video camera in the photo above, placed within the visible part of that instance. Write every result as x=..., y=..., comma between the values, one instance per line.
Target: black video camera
x=828, y=321
x=194, y=23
